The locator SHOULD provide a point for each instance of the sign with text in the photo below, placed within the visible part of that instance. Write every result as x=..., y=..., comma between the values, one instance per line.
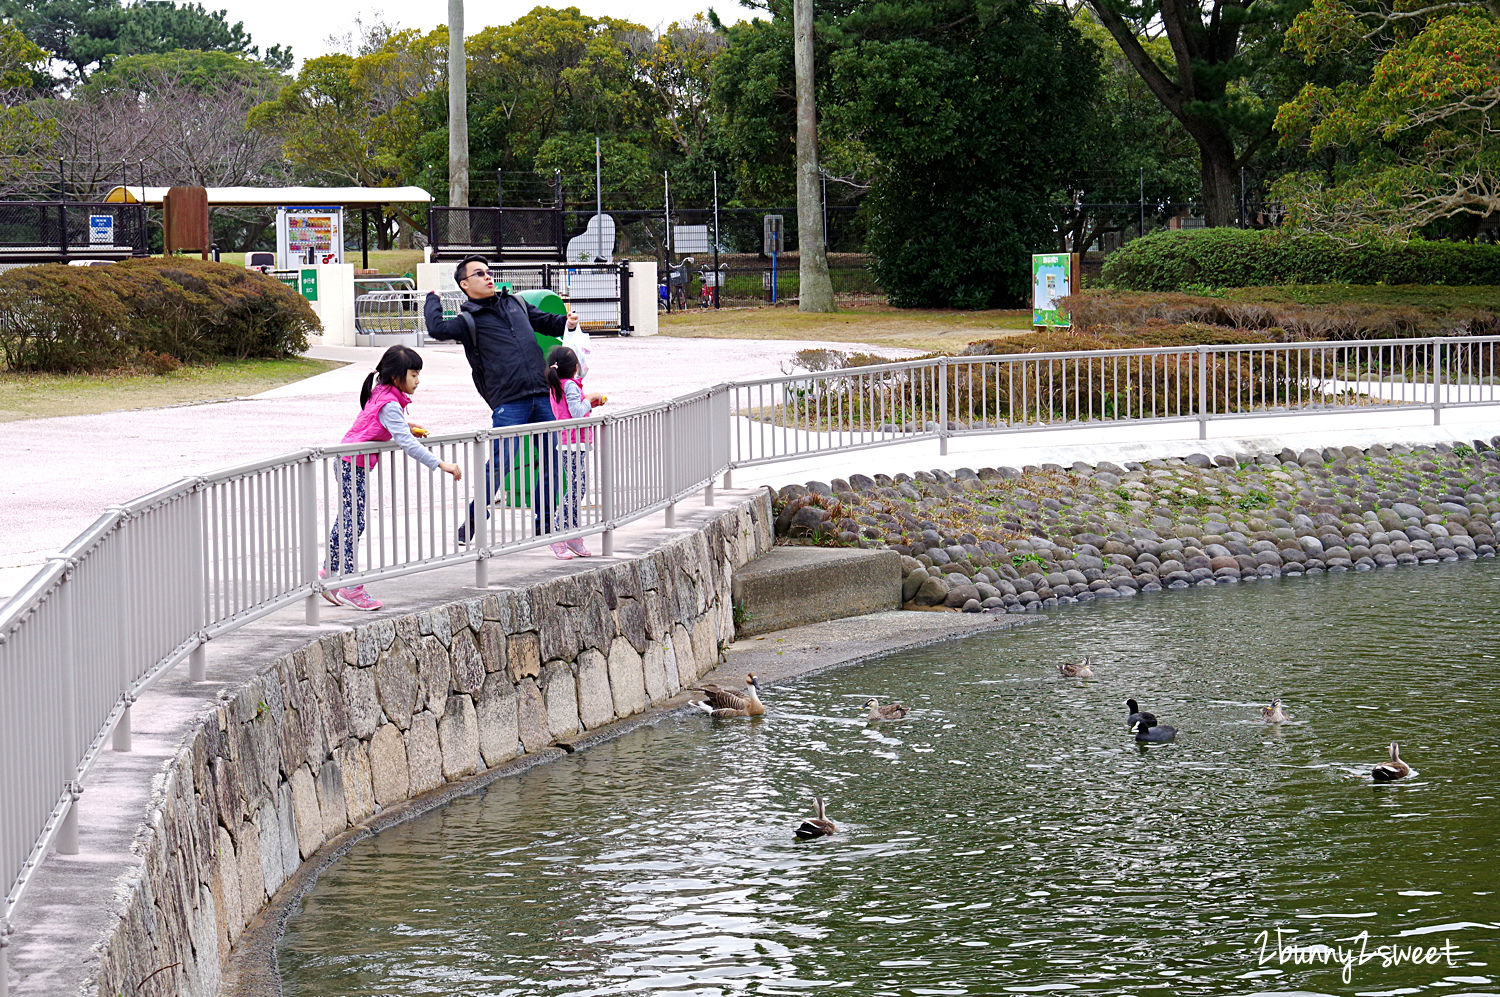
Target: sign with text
x=309, y=286
x=1054, y=276
x=101, y=230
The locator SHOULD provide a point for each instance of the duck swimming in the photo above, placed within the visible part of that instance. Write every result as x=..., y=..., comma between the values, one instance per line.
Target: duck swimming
x=1392, y=770
x=1274, y=714
x=891, y=711
x=1135, y=713
x=818, y=826
x=1081, y=670
x=1148, y=731
x=722, y=703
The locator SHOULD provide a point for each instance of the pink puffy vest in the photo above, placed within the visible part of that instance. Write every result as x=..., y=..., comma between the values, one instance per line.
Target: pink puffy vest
x=367, y=427
x=560, y=411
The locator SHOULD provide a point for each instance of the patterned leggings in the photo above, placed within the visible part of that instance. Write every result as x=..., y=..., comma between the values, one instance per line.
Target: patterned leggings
x=351, y=522
x=575, y=464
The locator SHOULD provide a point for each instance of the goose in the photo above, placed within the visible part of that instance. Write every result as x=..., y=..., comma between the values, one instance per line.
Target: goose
x=1151, y=732
x=1392, y=770
x=1078, y=671
x=1135, y=713
x=723, y=703
x=891, y=711
x=818, y=826
x=1274, y=714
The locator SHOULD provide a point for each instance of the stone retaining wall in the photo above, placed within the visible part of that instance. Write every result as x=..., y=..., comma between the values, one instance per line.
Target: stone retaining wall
x=356, y=723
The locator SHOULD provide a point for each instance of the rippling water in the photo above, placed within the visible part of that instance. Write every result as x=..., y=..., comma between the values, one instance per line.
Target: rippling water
x=1009, y=836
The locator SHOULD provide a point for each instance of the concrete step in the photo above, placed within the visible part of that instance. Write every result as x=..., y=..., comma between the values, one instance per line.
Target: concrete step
x=792, y=586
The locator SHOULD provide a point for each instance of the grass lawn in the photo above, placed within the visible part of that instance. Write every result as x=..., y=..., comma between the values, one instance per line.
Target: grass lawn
x=387, y=261
x=42, y=396
x=862, y=322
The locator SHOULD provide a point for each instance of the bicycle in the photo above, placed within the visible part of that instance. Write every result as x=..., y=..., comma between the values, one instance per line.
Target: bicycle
x=713, y=281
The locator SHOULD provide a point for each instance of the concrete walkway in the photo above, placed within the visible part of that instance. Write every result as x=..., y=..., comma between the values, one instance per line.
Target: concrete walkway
x=62, y=474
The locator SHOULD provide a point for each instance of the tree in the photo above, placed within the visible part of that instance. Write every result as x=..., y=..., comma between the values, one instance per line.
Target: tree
x=1222, y=63
x=85, y=35
x=25, y=139
x=1411, y=145
x=815, y=288
x=957, y=204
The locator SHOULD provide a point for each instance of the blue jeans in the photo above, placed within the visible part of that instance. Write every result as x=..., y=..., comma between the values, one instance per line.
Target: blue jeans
x=541, y=479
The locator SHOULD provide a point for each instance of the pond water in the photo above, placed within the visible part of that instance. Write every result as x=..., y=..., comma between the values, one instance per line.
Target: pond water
x=1009, y=836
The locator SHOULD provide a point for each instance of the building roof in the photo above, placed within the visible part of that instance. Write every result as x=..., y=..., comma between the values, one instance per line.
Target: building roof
x=281, y=196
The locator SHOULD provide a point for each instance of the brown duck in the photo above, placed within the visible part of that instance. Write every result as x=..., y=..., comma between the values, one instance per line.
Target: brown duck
x=724, y=703
x=818, y=826
x=890, y=711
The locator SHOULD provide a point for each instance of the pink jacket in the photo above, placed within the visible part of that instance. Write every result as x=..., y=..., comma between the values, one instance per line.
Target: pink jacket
x=367, y=427
x=560, y=411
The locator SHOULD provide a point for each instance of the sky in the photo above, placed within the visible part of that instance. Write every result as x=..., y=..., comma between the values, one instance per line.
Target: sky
x=308, y=25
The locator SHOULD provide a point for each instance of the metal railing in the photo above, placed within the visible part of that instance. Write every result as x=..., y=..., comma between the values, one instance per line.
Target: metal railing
x=43, y=231
x=154, y=581
x=855, y=408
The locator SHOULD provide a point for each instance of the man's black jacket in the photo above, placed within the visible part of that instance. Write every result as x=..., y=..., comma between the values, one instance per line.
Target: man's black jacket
x=504, y=357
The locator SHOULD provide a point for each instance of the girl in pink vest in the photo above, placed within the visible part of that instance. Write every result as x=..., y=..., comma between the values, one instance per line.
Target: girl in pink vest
x=382, y=416
x=565, y=384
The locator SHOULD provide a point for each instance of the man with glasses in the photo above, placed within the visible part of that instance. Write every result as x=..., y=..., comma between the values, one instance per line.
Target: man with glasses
x=497, y=333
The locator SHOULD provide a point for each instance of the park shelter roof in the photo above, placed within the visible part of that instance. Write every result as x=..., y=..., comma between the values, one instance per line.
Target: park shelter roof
x=279, y=196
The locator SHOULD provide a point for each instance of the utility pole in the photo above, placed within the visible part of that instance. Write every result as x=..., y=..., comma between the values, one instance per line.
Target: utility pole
x=458, y=109
x=816, y=289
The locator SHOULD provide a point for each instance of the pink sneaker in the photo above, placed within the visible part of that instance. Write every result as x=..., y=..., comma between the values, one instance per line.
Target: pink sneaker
x=577, y=547
x=357, y=598
x=328, y=594
x=561, y=552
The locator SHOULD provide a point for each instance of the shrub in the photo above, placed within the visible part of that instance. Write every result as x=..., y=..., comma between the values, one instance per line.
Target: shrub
x=53, y=318
x=90, y=319
x=1145, y=318
x=213, y=310
x=1226, y=257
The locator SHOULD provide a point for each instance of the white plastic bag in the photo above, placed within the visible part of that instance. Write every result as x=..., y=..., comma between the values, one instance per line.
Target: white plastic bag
x=578, y=341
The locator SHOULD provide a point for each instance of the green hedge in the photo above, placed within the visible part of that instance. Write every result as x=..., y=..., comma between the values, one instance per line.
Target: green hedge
x=67, y=319
x=1227, y=257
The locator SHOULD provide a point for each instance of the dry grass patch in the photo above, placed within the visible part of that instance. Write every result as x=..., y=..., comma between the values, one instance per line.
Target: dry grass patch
x=45, y=396
x=931, y=331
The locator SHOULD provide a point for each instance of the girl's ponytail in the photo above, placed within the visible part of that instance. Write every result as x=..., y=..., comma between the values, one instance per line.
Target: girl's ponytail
x=366, y=389
x=562, y=364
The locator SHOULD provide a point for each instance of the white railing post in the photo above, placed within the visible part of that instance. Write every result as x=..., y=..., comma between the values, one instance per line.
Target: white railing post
x=5, y=932
x=307, y=512
x=606, y=436
x=482, y=486
x=66, y=842
x=198, y=660
x=708, y=493
x=728, y=478
x=669, y=463
x=942, y=392
x=1437, y=381
x=122, y=729
x=1203, y=392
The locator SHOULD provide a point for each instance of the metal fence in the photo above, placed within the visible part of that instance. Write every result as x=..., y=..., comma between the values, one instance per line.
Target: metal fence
x=57, y=231
x=154, y=581
x=599, y=292
x=854, y=408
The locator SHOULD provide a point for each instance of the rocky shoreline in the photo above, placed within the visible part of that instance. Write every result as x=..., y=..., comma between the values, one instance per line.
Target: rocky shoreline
x=1024, y=539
